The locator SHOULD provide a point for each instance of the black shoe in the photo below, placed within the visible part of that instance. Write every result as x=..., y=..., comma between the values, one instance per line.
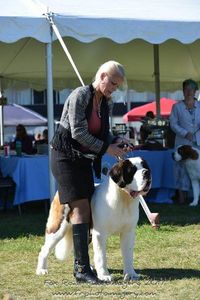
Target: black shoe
x=85, y=275
x=82, y=270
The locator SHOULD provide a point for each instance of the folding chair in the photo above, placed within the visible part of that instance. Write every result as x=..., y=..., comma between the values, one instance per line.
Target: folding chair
x=7, y=186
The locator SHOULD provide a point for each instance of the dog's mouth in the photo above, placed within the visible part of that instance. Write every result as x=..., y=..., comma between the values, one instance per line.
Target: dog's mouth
x=134, y=194
x=143, y=192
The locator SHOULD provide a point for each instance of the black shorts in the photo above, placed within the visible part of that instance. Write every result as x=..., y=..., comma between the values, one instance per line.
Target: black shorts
x=74, y=178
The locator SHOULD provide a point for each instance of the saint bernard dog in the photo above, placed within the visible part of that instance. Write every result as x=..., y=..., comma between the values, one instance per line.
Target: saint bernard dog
x=115, y=209
x=191, y=158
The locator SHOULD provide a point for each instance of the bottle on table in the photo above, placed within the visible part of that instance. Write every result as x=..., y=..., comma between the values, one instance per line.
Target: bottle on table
x=6, y=150
x=18, y=148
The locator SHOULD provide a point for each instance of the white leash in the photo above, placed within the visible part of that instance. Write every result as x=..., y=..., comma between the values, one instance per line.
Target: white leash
x=49, y=17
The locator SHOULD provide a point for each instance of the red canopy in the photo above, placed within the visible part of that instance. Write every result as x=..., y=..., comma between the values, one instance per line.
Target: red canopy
x=137, y=113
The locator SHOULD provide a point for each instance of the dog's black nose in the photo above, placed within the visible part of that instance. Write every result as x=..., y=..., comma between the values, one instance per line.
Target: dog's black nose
x=121, y=184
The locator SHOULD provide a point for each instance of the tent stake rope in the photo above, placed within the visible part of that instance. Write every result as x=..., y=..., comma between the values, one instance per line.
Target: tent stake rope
x=57, y=33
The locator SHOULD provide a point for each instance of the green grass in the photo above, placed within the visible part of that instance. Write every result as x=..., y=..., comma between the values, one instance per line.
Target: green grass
x=168, y=259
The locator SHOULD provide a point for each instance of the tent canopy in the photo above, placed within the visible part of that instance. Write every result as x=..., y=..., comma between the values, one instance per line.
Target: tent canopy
x=96, y=32
x=14, y=114
x=138, y=113
x=123, y=21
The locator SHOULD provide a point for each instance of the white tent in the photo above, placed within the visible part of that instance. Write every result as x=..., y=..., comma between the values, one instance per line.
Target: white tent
x=95, y=31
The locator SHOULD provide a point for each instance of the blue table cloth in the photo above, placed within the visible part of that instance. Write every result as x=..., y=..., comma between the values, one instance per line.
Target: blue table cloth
x=31, y=175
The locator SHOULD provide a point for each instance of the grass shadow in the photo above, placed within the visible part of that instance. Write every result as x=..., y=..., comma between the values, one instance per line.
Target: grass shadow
x=34, y=217
x=32, y=221
x=173, y=214
x=164, y=274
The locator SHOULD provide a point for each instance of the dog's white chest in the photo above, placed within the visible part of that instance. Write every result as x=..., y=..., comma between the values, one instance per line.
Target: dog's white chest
x=113, y=210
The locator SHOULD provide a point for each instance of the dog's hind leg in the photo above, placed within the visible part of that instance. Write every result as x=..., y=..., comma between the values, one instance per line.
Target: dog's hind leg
x=51, y=240
x=56, y=229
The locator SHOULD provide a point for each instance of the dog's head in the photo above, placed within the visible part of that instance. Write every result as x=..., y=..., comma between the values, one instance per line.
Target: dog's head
x=185, y=152
x=133, y=175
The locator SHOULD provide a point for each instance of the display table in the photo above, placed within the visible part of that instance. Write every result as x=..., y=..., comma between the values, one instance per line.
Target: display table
x=31, y=175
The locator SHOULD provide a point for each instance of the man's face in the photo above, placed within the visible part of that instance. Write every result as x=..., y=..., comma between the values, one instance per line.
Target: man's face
x=189, y=91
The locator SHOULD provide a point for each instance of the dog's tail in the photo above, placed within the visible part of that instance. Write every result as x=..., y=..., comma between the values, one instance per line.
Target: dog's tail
x=65, y=246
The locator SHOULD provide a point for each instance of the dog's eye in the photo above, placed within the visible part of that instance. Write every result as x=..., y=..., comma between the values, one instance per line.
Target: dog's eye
x=146, y=174
x=128, y=173
x=144, y=164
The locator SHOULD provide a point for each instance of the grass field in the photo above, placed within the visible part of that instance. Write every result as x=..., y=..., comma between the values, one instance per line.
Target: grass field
x=168, y=259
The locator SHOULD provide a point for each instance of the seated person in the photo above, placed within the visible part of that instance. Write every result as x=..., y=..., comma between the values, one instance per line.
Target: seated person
x=24, y=138
x=42, y=139
x=41, y=145
x=37, y=137
x=144, y=129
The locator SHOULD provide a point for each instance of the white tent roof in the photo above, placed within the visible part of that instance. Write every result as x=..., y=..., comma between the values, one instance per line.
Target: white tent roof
x=96, y=31
x=122, y=21
x=23, y=18
x=154, y=21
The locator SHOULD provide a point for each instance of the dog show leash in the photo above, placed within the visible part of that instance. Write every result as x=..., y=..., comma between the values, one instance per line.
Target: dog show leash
x=153, y=218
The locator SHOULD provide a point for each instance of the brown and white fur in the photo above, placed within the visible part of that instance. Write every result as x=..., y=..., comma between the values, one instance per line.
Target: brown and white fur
x=191, y=158
x=115, y=209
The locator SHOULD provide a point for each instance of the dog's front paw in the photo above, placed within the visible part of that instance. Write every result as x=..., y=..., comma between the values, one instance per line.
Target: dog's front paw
x=106, y=278
x=131, y=276
x=193, y=203
x=40, y=271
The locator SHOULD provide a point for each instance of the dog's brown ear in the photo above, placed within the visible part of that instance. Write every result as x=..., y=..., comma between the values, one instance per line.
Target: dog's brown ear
x=122, y=173
x=116, y=172
x=128, y=171
x=187, y=151
x=194, y=154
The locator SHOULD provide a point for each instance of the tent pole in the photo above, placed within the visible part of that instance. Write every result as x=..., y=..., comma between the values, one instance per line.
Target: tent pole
x=157, y=78
x=1, y=126
x=1, y=117
x=128, y=103
x=50, y=111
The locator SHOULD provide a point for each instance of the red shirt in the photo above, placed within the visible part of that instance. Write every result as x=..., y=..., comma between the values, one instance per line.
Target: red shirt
x=94, y=125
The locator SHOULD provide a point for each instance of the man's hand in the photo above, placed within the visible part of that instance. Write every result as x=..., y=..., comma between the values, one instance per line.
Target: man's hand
x=189, y=136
